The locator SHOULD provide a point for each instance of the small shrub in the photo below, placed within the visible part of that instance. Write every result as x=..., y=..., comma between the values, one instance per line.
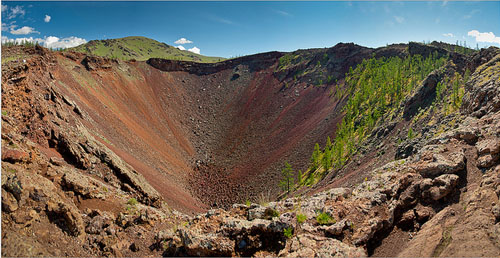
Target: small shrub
x=132, y=202
x=288, y=232
x=264, y=198
x=324, y=219
x=271, y=213
x=301, y=218
x=11, y=170
x=411, y=134
x=248, y=203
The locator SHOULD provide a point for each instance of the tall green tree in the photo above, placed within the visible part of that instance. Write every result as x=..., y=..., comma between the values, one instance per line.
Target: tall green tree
x=328, y=144
x=315, y=157
x=287, y=180
x=327, y=159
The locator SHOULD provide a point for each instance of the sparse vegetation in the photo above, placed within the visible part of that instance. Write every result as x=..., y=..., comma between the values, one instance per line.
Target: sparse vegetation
x=272, y=213
x=264, y=198
x=287, y=180
x=132, y=202
x=411, y=134
x=301, y=218
x=288, y=232
x=324, y=218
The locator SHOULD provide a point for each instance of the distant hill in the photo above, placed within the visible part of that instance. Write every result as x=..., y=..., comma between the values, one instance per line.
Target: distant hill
x=141, y=49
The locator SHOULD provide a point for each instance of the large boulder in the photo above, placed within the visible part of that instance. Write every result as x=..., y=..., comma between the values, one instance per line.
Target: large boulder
x=435, y=160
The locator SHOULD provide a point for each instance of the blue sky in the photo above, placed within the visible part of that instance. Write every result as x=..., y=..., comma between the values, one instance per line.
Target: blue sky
x=239, y=28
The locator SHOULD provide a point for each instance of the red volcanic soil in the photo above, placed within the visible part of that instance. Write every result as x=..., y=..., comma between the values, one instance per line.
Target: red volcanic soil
x=202, y=134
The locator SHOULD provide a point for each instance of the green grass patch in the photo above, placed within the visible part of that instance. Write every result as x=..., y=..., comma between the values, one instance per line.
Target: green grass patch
x=132, y=202
x=324, y=218
x=301, y=218
x=288, y=232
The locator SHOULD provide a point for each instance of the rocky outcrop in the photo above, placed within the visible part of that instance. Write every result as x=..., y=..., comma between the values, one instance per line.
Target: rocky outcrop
x=424, y=95
x=468, y=230
x=400, y=193
x=254, y=62
x=415, y=48
x=93, y=63
x=13, y=155
x=483, y=90
x=435, y=160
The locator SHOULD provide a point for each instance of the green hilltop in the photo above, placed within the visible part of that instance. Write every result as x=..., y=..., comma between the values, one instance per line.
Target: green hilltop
x=140, y=49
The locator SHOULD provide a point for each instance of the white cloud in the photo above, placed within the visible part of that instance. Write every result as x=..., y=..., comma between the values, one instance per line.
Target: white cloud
x=194, y=50
x=55, y=42
x=181, y=47
x=49, y=42
x=183, y=41
x=47, y=18
x=449, y=35
x=399, y=19
x=4, y=8
x=23, y=31
x=283, y=13
x=488, y=37
x=10, y=26
x=15, y=11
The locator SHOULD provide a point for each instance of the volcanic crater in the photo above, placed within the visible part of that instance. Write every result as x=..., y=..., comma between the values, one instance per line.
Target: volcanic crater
x=207, y=134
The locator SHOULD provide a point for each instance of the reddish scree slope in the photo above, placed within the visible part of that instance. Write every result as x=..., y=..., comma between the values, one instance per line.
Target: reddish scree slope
x=217, y=134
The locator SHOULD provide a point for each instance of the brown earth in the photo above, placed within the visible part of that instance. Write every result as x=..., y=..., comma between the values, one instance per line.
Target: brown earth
x=99, y=155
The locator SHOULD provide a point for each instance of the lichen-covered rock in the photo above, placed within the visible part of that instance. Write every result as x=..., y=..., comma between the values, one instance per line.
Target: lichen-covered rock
x=99, y=223
x=483, y=90
x=441, y=186
x=82, y=184
x=434, y=161
x=367, y=230
x=307, y=245
x=486, y=146
x=487, y=160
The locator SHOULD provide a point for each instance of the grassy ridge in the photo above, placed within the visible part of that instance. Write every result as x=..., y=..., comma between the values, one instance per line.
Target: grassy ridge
x=141, y=49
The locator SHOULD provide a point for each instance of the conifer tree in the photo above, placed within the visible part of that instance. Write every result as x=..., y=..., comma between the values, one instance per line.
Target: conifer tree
x=327, y=160
x=287, y=181
x=328, y=144
x=315, y=157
